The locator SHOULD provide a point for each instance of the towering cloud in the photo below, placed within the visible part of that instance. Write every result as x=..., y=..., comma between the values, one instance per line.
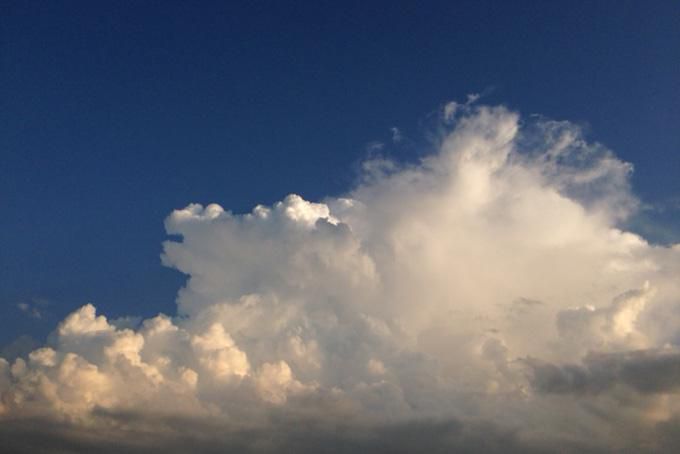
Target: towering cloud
x=484, y=299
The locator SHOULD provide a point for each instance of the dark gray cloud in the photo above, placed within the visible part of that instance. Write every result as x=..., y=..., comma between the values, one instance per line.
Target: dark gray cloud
x=132, y=433
x=646, y=371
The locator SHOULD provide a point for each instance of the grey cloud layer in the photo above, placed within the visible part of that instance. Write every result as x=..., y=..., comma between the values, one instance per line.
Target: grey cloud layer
x=485, y=299
x=646, y=371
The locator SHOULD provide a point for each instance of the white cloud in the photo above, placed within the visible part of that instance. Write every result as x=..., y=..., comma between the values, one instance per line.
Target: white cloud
x=431, y=292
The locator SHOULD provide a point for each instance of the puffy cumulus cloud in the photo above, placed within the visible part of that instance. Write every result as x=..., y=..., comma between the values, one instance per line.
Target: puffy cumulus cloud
x=486, y=298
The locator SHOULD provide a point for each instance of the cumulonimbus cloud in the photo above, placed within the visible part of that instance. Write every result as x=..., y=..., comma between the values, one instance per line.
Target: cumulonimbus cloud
x=485, y=298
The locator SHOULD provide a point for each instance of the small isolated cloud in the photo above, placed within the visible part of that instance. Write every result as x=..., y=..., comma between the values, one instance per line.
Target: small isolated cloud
x=668, y=205
x=396, y=134
x=484, y=299
x=35, y=307
x=374, y=147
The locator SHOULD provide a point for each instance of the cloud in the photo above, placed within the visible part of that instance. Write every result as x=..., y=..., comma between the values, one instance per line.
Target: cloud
x=465, y=302
x=190, y=435
x=452, y=108
x=21, y=346
x=396, y=134
x=374, y=147
x=645, y=371
x=34, y=308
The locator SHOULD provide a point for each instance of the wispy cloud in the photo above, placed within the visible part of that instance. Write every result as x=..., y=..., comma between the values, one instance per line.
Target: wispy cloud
x=35, y=307
x=396, y=134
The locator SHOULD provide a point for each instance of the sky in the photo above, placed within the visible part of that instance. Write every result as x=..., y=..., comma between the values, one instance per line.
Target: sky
x=350, y=214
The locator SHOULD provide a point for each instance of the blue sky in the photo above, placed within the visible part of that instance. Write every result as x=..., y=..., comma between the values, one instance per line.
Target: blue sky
x=115, y=113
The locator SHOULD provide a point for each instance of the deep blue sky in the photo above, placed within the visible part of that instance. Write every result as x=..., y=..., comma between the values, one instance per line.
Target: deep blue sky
x=114, y=113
